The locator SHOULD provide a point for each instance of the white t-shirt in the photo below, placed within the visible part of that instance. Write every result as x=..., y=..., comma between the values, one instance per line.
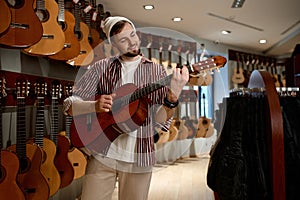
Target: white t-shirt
x=123, y=146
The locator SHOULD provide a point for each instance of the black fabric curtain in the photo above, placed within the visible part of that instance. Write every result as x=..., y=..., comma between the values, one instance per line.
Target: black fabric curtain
x=239, y=164
x=238, y=168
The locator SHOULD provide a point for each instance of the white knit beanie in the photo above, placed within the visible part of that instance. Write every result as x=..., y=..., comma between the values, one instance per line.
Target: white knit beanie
x=110, y=22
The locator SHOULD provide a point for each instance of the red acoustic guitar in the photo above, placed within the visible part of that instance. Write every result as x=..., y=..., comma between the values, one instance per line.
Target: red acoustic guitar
x=9, y=164
x=61, y=160
x=96, y=131
x=5, y=16
x=25, y=28
x=30, y=156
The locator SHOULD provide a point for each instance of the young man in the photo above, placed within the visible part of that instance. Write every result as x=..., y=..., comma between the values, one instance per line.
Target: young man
x=130, y=157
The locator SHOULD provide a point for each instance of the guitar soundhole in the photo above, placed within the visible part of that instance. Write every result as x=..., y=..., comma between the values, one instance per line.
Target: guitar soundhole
x=43, y=15
x=15, y=3
x=204, y=122
x=62, y=25
x=78, y=34
x=2, y=173
x=24, y=165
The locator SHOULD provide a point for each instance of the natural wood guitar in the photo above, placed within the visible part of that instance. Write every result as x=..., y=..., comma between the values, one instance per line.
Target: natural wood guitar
x=66, y=20
x=97, y=130
x=76, y=157
x=30, y=178
x=9, y=163
x=53, y=38
x=25, y=28
x=205, y=127
x=238, y=73
x=5, y=16
x=48, y=147
x=86, y=54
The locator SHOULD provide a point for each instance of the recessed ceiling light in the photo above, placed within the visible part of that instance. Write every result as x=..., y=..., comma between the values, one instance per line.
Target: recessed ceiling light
x=237, y=3
x=177, y=19
x=263, y=41
x=148, y=7
x=225, y=32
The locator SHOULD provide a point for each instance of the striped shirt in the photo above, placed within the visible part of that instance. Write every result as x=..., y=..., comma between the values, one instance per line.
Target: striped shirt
x=105, y=76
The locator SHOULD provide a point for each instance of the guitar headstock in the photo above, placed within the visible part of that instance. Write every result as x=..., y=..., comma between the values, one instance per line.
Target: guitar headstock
x=56, y=89
x=22, y=87
x=40, y=88
x=67, y=90
x=210, y=63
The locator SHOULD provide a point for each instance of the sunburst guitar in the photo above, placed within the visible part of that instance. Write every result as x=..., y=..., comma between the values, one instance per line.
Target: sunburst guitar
x=53, y=37
x=25, y=28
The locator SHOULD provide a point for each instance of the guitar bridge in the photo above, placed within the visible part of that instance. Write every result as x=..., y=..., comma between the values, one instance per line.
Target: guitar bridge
x=20, y=26
x=45, y=36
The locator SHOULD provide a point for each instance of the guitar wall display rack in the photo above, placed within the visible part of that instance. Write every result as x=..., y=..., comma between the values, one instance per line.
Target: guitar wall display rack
x=246, y=63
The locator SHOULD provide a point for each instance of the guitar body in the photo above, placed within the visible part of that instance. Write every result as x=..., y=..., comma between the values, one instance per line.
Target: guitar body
x=86, y=54
x=62, y=161
x=173, y=133
x=71, y=46
x=162, y=136
x=196, y=79
x=94, y=38
x=48, y=168
x=5, y=16
x=183, y=131
x=77, y=159
x=238, y=76
x=53, y=38
x=25, y=27
x=9, y=189
x=30, y=178
x=205, y=128
x=112, y=124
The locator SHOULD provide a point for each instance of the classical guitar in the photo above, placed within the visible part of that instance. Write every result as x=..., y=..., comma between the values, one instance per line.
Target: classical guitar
x=48, y=147
x=93, y=36
x=5, y=16
x=205, y=127
x=238, y=75
x=53, y=38
x=76, y=157
x=66, y=20
x=9, y=163
x=30, y=178
x=61, y=160
x=25, y=28
x=97, y=130
x=161, y=135
x=86, y=54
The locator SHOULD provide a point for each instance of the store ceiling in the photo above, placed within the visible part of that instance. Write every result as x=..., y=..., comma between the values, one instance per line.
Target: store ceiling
x=275, y=20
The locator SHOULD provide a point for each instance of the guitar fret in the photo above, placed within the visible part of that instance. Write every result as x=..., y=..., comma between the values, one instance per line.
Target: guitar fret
x=39, y=127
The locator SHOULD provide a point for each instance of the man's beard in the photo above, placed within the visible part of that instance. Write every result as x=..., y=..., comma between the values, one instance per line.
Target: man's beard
x=132, y=54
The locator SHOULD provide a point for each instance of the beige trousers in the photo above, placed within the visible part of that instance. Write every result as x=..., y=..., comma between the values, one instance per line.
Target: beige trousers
x=100, y=181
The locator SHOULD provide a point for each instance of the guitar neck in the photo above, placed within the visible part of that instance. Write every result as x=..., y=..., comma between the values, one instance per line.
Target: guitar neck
x=21, y=128
x=61, y=13
x=54, y=119
x=39, y=126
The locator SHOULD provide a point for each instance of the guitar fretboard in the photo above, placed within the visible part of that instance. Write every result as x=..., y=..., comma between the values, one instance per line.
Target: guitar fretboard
x=39, y=125
x=21, y=128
